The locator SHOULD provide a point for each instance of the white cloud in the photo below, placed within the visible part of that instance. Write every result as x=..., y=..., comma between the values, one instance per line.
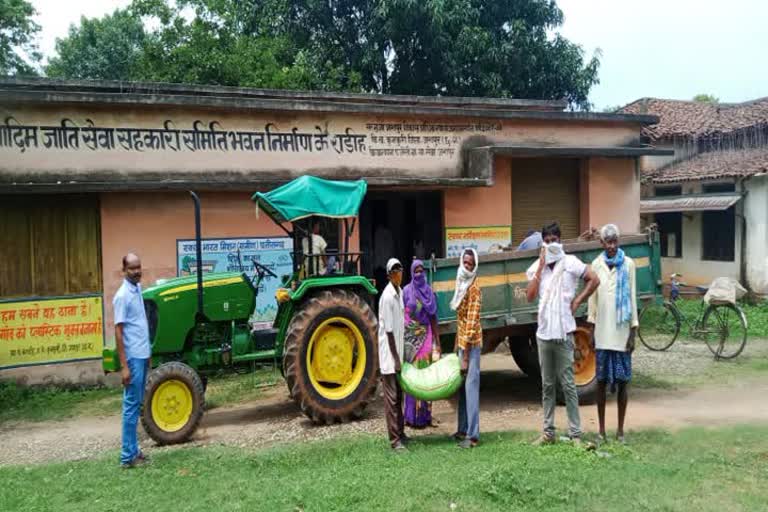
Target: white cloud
x=672, y=48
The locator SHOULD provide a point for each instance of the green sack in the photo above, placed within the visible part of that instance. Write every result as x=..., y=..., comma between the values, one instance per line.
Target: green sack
x=438, y=381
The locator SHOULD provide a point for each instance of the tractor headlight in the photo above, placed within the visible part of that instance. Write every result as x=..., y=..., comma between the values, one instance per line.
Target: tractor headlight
x=282, y=295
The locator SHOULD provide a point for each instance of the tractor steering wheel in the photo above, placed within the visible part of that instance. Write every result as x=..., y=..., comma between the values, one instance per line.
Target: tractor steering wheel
x=261, y=269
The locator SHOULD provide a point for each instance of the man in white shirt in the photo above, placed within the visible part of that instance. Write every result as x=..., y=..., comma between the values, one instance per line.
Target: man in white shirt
x=316, y=264
x=391, y=345
x=613, y=312
x=553, y=279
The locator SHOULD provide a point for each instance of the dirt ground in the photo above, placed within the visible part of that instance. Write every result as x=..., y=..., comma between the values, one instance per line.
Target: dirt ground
x=509, y=400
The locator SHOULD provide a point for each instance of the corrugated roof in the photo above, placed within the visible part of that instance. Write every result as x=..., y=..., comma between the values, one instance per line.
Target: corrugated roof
x=713, y=165
x=692, y=203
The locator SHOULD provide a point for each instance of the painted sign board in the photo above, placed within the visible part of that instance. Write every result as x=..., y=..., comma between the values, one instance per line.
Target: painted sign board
x=483, y=239
x=50, y=330
x=228, y=254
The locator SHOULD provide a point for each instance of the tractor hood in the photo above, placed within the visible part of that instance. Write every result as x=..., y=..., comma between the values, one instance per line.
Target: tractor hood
x=311, y=196
x=189, y=283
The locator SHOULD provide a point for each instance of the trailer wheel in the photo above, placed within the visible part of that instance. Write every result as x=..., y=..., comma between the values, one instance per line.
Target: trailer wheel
x=525, y=352
x=173, y=403
x=331, y=356
x=584, y=365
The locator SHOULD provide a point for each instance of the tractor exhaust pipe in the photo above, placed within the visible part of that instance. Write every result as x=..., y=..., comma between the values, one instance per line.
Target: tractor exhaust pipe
x=199, y=256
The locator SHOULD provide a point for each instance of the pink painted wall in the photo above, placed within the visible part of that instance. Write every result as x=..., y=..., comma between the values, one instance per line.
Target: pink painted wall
x=610, y=193
x=482, y=206
x=149, y=224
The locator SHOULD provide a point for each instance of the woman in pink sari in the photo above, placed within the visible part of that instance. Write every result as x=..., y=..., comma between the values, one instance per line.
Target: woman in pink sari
x=422, y=343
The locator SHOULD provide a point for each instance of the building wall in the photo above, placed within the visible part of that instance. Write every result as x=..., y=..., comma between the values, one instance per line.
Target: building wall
x=481, y=206
x=682, y=150
x=610, y=193
x=695, y=271
x=150, y=223
x=754, y=209
x=756, y=214
x=151, y=143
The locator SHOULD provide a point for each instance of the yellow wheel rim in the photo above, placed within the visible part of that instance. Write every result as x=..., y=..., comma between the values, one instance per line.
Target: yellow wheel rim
x=336, y=358
x=584, y=363
x=172, y=405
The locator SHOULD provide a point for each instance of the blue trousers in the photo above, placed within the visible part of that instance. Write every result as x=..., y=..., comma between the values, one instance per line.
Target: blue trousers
x=133, y=396
x=469, y=396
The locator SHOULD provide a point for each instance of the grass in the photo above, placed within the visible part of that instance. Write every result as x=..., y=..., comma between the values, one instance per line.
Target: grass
x=36, y=404
x=757, y=316
x=702, y=470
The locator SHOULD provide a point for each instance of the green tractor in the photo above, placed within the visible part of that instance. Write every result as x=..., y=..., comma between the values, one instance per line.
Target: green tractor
x=324, y=333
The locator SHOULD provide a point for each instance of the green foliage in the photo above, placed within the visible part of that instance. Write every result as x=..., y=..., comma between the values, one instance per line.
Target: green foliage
x=433, y=47
x=18, y=50
x=109, y=48
x=697, y=469
x=706, y=98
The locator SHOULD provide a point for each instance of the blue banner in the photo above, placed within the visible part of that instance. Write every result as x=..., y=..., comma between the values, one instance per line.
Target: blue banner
x=221, y=255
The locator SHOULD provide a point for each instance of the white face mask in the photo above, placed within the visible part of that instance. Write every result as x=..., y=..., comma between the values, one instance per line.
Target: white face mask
x=553, y=252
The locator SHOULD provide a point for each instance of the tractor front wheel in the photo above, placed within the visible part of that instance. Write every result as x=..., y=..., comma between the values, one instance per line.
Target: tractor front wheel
x=173, y=403
x=331, y=357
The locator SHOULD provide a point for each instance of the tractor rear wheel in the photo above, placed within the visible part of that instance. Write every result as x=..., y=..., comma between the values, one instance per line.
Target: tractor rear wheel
x=173, y=403
x=331, y=356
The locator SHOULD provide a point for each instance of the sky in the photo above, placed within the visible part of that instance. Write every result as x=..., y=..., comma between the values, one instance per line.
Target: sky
x=650, y=48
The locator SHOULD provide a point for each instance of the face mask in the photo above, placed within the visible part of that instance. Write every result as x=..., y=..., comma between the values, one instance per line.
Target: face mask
x=553, y=253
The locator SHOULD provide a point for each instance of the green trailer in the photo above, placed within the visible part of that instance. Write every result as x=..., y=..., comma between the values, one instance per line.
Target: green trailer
x=507, y=315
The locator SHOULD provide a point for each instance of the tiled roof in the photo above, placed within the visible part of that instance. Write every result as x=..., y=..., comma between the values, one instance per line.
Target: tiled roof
x=696, y=119
x=713, y=165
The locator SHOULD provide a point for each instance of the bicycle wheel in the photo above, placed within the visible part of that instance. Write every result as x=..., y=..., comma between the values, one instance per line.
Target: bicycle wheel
x=659, y=325
x=724, y=328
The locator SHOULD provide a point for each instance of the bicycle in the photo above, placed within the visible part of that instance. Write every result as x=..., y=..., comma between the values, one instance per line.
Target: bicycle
x=723, y=326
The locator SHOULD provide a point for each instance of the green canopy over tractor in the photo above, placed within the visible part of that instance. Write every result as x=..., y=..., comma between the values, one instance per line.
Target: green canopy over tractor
x=309, y=195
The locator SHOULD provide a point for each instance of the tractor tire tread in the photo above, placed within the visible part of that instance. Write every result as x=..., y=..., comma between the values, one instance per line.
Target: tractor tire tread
x=298, y=334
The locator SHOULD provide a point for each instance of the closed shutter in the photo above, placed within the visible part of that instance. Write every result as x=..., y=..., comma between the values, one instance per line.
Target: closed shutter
x=545, y=190
x=49, y=245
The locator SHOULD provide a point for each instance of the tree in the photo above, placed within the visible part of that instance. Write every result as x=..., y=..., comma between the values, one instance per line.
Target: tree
x=425, y=47
x=110, y=48
x=706, y=98
x=18, y=50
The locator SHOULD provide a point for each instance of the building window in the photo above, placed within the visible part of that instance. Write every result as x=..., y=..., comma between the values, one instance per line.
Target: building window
x=718, y=229
x=670, y=226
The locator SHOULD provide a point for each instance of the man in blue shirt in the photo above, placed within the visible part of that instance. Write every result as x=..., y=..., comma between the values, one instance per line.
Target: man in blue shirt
x=532, y=241
x=132, y=339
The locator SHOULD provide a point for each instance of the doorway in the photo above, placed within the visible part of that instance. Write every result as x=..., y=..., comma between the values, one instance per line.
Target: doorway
x=402, y=225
